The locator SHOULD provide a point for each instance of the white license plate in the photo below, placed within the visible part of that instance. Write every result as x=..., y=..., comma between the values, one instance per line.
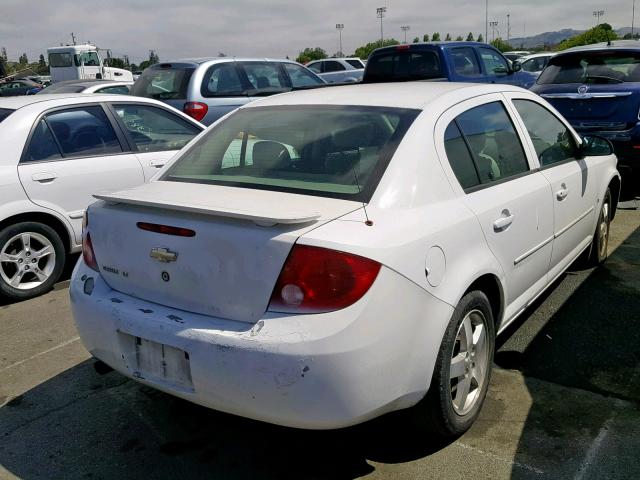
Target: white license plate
x=155, y=361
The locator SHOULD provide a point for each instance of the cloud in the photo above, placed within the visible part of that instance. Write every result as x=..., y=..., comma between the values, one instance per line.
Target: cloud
x=271, y=29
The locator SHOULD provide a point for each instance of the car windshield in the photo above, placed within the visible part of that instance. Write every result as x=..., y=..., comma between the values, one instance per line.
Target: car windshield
x=62, y=89
x=403, y=65
x=593, y=67
x=163, y=82
x=4, y=113
x=332, y=151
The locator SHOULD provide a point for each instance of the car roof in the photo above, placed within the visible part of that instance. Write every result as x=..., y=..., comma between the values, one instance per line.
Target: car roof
x=539, y=54
x=88, y=82
x=62, y=99
x=395, y=95
x=201, y=60
x=612, y=45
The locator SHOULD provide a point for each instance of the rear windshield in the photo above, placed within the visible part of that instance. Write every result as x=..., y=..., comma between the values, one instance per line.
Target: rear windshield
x=592, y=67
x=331, y=151
x=4, y=113
x=62, y=89
x=163, y=82
x=398, y=66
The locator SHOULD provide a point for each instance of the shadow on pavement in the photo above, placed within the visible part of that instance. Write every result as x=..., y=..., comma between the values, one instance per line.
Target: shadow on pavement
x=81, y=425
x=591, y=343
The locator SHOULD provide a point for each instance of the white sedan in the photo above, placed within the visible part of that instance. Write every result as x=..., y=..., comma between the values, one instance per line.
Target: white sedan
x=319, y=258
x=57, y=150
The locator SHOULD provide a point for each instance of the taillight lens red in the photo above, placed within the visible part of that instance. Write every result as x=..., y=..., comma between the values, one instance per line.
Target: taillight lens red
x=196, y=110
x=317, y=280
x=88, y=254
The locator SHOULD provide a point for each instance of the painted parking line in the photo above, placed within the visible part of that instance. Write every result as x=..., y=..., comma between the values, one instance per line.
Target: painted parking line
x=21, y=362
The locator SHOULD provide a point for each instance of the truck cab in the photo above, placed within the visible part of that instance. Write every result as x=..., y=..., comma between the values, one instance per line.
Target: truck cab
x=444, y=61
x=82, y=62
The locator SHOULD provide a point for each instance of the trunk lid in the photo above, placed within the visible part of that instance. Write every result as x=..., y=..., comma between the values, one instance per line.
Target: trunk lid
x=229, y=268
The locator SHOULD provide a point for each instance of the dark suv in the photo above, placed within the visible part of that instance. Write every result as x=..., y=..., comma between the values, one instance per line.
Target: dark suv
x=597, y=88
x=444, y=61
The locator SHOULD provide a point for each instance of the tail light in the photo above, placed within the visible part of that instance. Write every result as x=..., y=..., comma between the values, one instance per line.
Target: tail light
x=317, y=280
x=196, y=110
x=88, y=255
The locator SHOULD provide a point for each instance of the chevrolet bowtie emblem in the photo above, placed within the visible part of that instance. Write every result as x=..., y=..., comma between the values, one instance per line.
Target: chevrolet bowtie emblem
x=163, y=255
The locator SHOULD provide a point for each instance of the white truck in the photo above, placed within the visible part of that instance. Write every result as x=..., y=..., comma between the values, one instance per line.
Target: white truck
x=82, y=62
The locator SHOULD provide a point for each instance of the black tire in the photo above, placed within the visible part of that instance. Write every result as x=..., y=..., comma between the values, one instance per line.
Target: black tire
x=600, y=246
x=57, y=266
x=437, y=407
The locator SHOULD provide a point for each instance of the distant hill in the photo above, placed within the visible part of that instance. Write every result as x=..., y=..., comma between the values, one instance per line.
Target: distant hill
x=553, y=38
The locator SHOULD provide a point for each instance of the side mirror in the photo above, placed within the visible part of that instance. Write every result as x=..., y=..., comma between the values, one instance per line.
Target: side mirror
x=595, y=146
x=516, y=66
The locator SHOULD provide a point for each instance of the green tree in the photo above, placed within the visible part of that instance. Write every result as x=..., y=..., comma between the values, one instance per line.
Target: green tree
x=447, y=38
x=459, y=38
x=310, y=54
x=153, y=57
x=42, y=69
x=117, y=62
x=601, y=33
x=480, y=38
x=501, y=45
x=425, y=37
x=416, y=40
x=435, y=37
x=470, y=37
x=3, y=55
x=23, y=60
x=365, y=50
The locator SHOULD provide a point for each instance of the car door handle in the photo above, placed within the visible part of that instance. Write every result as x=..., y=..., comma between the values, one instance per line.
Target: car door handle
x=157, y=163
x=44, y=177
x=562, y=193
x=502, y=223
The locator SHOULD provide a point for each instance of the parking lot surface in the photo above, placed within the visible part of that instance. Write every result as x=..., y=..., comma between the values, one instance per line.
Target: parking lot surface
x=564, y=402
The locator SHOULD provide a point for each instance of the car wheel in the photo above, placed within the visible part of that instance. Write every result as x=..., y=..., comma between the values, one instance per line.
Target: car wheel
x=32, y=258
x=463, y=368
x=600, y=245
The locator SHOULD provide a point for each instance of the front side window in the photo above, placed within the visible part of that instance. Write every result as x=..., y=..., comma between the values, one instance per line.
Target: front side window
x=89, y=59
x=465, y=61
x=83, y=131
x=493, y=62
x=42, y=145
x=153, y=129
x=332, y=151
x=315, y=67
x=300, y=76
x=551, y=138
x=491, y=141
x=222, y=80
x=61, y=59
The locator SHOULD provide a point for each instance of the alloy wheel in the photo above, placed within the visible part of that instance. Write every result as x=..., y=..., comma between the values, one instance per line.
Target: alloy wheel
x=27, y=260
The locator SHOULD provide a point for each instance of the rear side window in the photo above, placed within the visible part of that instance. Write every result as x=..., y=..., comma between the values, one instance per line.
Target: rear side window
x=163, y=82
x=399, y=65
x=222, y=80
x=264, y=75
x=465, y=62
x=300, y=76
x=119, y=90
x=153, y=129
x=42, y=145
x=491, y=141
x=84, y=131
x=4, y=113
x=355, y=63
x=61, y=59
x=460, y=157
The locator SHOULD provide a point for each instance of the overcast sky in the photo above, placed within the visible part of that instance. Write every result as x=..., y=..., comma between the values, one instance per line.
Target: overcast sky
x=187, y=28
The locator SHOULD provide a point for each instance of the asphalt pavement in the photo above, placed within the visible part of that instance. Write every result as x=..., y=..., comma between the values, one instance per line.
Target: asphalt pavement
x=564, y=402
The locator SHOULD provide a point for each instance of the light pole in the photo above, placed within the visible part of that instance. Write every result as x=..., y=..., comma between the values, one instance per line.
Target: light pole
x=340, y=26
x=380, y=11
x=493, y=30
x=486, y=21
x=405, y=29
x=633, y=18
x=508, y=27
x=598, y=14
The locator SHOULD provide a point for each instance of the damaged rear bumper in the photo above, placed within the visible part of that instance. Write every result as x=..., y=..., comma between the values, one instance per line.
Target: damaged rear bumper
x=308, y=371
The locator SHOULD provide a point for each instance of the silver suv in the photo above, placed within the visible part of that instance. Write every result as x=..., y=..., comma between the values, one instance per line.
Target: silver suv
x=208, y=88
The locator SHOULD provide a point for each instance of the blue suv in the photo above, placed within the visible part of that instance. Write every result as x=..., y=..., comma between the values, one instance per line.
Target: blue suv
x=447, y=61
x=597, y=89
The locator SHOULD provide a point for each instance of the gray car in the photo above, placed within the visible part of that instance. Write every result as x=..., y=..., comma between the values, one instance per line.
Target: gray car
x=338, y=70
x=208, y=88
